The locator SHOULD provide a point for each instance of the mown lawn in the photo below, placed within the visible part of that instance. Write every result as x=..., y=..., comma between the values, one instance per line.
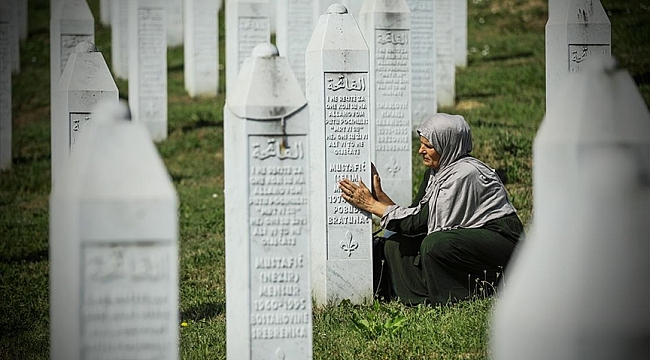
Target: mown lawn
x=501, y=94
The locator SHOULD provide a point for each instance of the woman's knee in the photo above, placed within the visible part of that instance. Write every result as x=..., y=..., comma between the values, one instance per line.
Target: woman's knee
x=437, y=244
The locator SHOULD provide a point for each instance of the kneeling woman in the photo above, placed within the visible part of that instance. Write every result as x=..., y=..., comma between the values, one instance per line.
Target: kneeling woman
x=460, y=230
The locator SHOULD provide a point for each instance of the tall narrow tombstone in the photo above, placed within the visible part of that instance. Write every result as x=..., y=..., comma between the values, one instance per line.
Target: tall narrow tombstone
x=5, y=86
x=338, y=92
x=576, y=30
x=174, y=22
x=201, y=49
x=23, y=23
x=386, y=25
x=247, y=24
x=86, y=80
x=114, y=247
x=296, y=21
x=120, y=38
x=148, y=65
x=71, y=23
x=105, y=12
x=15, y=36
x=423, y=60
x=460, y=33
x=445, y=53
x=266, y=140
x=588, y=251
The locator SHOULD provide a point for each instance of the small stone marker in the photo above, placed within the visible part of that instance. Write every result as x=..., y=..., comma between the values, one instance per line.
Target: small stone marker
x=577, y=30
x=338, y=92
x=105, y=12
x=71, y=23
x=423, y=60
x=5, y=86
x=148, y=65
x=113, y=247
x=296, y=21
x=201, y=50
x=247, y=24
x=266, y=123
x=120, y=38
x=86, y=80
x=460, y=33
x=386, y=25
x=445, y=53
x=588, y=249
x=174, y=22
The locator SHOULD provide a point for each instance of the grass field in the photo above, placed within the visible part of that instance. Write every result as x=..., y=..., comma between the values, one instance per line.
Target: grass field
x=501, y=94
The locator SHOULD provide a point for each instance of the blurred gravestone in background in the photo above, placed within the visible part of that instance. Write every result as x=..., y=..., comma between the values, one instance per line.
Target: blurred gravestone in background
x=460, y=33
x=5, y=87
x=120, y=38
x=423, y=60
x=337, y=75
x=445, y=52
x=201, y=47
x=174, y=22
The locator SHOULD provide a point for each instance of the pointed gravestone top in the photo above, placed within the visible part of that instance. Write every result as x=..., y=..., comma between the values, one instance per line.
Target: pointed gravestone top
x=85, y=47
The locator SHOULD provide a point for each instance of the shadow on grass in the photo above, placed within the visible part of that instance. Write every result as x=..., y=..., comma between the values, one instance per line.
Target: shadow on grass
x=203, y=311
x=32, y=257
x=522, y=55
x=200, y=125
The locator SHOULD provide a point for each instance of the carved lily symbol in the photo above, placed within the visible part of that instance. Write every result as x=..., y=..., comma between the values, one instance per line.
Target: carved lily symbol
x=350, y=245
x=393, y=168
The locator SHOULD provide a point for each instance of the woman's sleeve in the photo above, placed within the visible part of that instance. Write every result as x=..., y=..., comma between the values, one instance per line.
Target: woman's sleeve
x=408, y=221
x=423, y=187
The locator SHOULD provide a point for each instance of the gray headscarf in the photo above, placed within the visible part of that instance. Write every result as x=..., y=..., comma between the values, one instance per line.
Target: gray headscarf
x=463, y=192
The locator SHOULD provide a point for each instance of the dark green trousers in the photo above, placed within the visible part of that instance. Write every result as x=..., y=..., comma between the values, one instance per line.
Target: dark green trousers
x=447, y=266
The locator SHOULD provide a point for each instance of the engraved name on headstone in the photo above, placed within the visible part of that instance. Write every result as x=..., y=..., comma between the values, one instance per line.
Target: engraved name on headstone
x=338, y=91
x=148, y=66
x=386, y=26
x=120, y=38
x=296, y=21
x=5, y=87
x=268, y=241
x=445, y=53
x=423, y=60
x=201, y=49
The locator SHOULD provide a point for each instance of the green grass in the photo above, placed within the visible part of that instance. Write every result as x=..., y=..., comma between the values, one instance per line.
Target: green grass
x=501, y=94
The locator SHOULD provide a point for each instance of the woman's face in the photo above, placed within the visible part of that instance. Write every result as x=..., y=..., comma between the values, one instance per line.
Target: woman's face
x=430, y=156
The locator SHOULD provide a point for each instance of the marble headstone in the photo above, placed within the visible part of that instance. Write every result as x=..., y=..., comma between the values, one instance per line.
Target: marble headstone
x=295, y=22
x=148, y=65
x=114, y=247
x=5, y=86
x=338, y=92
x=71, y=23
x=247, y=24
x=576, y=30
x=460, y=33
x=201, y=49
x=174, y=22
x=120, y=38
x=423, y=60
x=588, y=249
x=86, y=80
x=105, y=12
x=266, y=142
x=386, y=26
x=445, y=53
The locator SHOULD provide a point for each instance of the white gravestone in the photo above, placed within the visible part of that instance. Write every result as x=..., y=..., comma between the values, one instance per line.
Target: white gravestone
x=423, y=60
x=174, y=22
x=201, y=49
x=105, y=12
x=266, y=123
x=71, y=23
x=120, y=38
x=86, y=80
x=148, y=65
x=338, y=92
x=588, y=250
x=114, y=247
x=247, y=24
x=577, y=30
x=353, y=6
x=5, y=87
x=460, y=33
x=445, y=53
x=296, y=21
x=386, y=25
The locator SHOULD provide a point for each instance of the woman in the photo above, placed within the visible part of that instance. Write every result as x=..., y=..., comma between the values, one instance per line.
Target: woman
x=461, y=229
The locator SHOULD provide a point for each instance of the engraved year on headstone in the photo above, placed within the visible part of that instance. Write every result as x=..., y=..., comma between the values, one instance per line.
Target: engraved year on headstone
x=113, y=246
x=266, y=142
x=338, y=91
x=386, y=25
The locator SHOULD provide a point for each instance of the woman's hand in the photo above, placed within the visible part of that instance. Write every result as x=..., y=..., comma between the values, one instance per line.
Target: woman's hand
x=360, y=196
x=377, y=191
